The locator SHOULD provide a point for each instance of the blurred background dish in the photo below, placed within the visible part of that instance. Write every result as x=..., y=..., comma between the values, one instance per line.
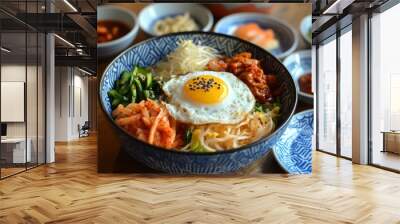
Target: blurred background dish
x=299, y=66
x=272, y=34
x=162, y=18
x=293, y=150
x=305, y=28
x=220, y=10
x=116, y=30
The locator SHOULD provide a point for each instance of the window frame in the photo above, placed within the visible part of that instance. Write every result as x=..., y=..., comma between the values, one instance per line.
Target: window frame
x=334, y=37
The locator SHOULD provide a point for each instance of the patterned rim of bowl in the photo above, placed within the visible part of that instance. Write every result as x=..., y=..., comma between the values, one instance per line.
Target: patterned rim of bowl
x=282, y=164
x=286, y=122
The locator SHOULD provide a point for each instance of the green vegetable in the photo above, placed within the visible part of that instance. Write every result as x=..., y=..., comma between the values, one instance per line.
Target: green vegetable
x=138, y=84
x=124, y=90
x=124, y=77
x=195, y=143
x=188, y=136
x=135, y=86
x=114, y=93
x=259, y=107
x=139, y=89
x=140, y=70
x=146, y=94
x=133, y=94
x=149, y=79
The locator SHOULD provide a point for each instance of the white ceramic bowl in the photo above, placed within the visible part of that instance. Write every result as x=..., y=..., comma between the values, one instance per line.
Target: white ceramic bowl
x=108, y=12
x=154, y=12
x=287, y=36
x=305, y=28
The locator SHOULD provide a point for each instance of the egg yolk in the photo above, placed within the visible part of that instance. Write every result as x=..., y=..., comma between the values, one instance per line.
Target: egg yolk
x=205, y=89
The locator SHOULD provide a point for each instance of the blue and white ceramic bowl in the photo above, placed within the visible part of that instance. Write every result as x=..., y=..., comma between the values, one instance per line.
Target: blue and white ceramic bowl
x=286, y=35
x=293, y=150
x=154, y=12
x=151, y=51
x=298, y=64
x=305, y=28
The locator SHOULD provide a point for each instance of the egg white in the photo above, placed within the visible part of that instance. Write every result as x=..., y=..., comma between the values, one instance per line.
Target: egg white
x=231, y=110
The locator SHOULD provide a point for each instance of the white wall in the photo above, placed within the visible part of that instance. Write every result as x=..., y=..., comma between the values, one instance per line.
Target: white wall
x=12, y=73
x=33, y=127
x=71, y=94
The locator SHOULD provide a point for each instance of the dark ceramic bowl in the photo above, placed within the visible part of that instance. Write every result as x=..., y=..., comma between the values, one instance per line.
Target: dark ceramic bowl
x=151, y=51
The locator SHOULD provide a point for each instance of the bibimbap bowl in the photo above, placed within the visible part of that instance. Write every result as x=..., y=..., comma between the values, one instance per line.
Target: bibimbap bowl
x=150, y=52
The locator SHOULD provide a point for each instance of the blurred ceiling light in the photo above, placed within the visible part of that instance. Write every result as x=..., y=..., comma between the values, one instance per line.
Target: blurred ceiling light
x=64, y=40
x=70, y=5
x=5, y=49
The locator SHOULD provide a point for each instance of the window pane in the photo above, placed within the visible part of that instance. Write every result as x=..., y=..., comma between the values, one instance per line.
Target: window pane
x=31, y=97
x=385, y=83
x=345, y=94
x=15, y=150
x=327, y=97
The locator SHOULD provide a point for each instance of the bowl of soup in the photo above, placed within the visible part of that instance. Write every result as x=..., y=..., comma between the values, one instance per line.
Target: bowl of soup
x=117, y=28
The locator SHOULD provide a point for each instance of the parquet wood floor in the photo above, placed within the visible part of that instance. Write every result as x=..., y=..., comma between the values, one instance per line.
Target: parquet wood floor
x=71, y=191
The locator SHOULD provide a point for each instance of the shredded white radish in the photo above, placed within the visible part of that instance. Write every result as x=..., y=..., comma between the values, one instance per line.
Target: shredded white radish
x=187, y=57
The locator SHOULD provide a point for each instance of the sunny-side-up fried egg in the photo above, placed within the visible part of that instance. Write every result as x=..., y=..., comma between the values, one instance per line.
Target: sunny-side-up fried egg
x=208, y=97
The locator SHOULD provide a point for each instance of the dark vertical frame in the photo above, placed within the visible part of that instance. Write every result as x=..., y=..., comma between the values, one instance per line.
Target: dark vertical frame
x=26, y=87
x=338, y=73
x=316, y=97
x=0, y=94
x=37, y=90
x=369, y=78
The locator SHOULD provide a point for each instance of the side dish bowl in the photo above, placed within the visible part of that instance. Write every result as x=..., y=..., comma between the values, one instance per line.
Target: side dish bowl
x=151, y=51
x=305, y=28
x=293, y=151
x=285, y=34
x=109, y=12
x=299, y=64
x=156, y=11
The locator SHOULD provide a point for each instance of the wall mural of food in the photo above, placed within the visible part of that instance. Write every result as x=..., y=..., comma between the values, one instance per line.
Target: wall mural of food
x=197, y=100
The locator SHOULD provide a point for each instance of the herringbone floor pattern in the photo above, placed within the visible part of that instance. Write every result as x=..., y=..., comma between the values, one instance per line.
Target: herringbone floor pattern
x=71, y=191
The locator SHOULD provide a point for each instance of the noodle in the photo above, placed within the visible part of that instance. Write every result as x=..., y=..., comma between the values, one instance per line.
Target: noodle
x=220, y=137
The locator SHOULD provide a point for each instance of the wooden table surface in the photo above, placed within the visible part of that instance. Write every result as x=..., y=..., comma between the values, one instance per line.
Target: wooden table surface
x=111, y=158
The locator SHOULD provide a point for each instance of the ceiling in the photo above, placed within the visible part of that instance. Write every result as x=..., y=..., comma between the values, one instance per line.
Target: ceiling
x=332, y=15
x=72, y=20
